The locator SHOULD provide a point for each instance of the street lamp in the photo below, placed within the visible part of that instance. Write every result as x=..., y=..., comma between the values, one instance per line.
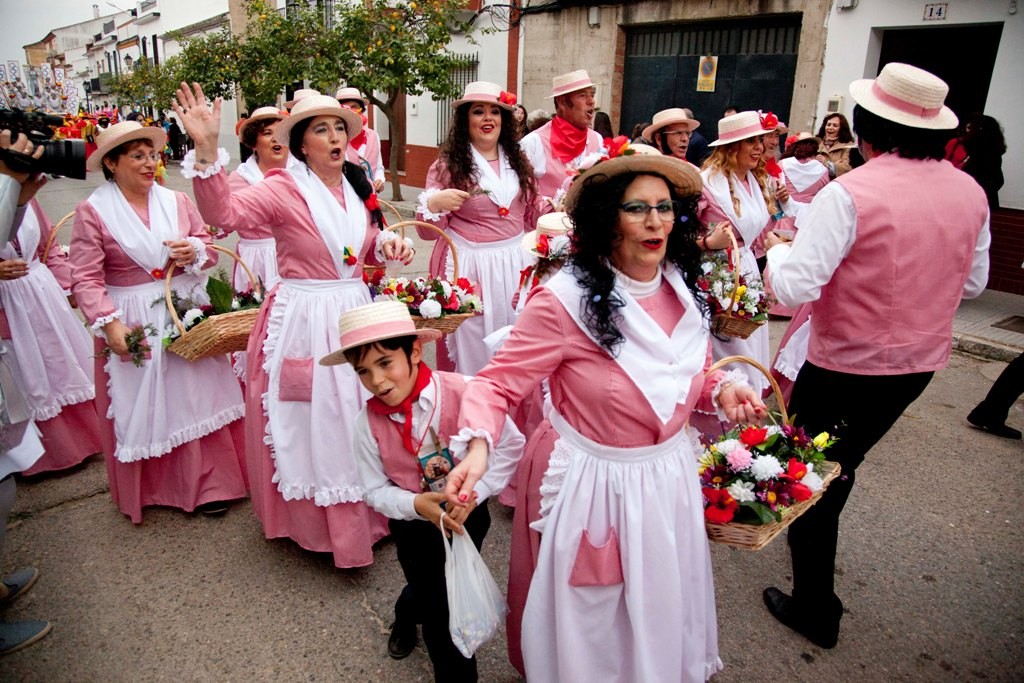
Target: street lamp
x=87, y=87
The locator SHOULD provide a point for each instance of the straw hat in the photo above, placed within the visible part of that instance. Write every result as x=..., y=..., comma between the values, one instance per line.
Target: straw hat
x=906, y=95
x=746, y=124
x=374, y=322
x=684, y=177
x=667, y=117
x=346, y=94
x=311, y=106
x=570, y=82
x=489, y=93
x=550, y=224
x=261, y=114
x=299, y=94
x=801, y=136
x=120, y=133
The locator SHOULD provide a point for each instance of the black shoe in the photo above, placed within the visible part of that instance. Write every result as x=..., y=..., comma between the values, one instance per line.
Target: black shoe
x=977, y=421
x=214, y=508
x=402, y=641
x=821, y=629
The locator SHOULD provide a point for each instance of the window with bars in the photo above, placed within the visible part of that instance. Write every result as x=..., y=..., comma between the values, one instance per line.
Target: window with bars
x=463, y=73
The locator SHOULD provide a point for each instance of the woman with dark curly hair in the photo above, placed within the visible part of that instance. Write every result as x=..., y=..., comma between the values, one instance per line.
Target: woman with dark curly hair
x=840, y=148
x=608, y=539
x=978, y=151
x=482, y=192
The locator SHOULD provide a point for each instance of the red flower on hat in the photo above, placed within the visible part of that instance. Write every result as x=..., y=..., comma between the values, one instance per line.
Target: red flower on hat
x=792, y=139
x=769, y=121
x=508, y=98
x=616, y=146
x=157, y=273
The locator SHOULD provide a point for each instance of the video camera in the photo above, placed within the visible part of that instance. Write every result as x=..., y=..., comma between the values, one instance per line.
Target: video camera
x=60, y=157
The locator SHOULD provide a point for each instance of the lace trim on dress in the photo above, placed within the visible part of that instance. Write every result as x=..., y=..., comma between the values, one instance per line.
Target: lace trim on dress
x=736, y=377
x=97, y=327
x=191, y=433
x=422, y=202
x=552, y=481
x=383, y=236
x=201, y=256
x=459, y=444
x=52, y=409
x=188, y=165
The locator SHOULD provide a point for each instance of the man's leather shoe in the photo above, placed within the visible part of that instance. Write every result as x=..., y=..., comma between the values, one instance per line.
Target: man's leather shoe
x=977, y=420
x=821, y=629
x=402, y=640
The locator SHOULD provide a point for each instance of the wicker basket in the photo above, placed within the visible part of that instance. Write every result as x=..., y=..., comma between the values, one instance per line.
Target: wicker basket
x=725, y=323
x=218, y=334
x=450, y=322
x=53, y=235
x=757, y=536
x=392, y=209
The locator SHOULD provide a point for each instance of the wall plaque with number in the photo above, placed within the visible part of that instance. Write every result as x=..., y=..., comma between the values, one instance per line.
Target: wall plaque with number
x=936, y=11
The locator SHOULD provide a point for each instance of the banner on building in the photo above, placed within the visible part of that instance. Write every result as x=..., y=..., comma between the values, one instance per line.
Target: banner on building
x=707, y=71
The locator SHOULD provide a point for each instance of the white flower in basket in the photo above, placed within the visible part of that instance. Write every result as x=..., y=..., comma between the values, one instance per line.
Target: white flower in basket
x=430, y=309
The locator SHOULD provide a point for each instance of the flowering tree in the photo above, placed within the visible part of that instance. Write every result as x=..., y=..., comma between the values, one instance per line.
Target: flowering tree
x=392, y=48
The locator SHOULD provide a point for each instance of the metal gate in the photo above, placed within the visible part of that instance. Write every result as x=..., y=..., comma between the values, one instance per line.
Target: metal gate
x=756, y=68
x=463, y=73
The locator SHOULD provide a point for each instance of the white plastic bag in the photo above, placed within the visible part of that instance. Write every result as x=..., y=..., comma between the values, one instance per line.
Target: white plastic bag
x=476, y=606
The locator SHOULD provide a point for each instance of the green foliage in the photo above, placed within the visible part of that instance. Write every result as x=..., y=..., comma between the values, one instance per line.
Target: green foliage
x=209, y=60
x=147, y=84
x=220, y=294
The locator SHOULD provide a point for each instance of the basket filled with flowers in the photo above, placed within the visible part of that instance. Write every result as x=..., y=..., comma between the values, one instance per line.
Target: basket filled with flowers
x=757, y=480
x=434, y=301
x=738, y=306
x=200, y=330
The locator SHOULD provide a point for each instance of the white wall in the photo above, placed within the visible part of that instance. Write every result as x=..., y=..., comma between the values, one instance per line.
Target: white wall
x=854, y=41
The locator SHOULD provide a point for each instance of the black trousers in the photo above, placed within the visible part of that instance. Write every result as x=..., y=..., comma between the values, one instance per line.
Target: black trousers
x=421, y=555
x=1005, y=390
x=859, y=410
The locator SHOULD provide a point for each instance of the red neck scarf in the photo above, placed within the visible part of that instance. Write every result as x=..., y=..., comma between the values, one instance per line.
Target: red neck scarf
x=405, y=407
x=359, y=140
x=567, y=141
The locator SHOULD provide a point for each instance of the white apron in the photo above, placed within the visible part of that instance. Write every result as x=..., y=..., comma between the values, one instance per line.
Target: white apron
x=495, y=266
x=51, y=349
x=261, y=257
x=623, y=589
x=168, y=401
x=310, y=425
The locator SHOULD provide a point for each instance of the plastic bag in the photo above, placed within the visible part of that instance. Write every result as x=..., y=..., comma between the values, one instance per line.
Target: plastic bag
x=476, y=606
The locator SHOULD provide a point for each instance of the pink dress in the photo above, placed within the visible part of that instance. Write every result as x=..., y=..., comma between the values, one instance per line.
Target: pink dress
x=51, y=352
x=182, y=470
x=803, y=180
x=614, y=490
x=300, y=415
x=489, y=248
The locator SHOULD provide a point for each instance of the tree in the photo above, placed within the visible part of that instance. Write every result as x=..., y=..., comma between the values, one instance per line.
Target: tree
x=397, y=48
x=147, y=85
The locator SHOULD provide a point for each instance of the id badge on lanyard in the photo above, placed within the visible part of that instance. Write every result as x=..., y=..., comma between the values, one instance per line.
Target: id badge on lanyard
x=436, y=465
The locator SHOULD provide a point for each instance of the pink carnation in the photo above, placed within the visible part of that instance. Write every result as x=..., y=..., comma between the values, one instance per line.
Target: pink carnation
x=739, y=459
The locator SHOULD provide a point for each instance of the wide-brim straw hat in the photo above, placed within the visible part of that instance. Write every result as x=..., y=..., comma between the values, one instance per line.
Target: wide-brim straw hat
x=261, y=114
x=667, y=117
x=318, y=105
x=120, y=133
x=553, y=224
x=374, y=322
x=801, y=136
x=346, y=94
x=906, y=95
x=683, y=176
x=564, y=84
x=745, y=124
x=299, y=95
x=486, y=92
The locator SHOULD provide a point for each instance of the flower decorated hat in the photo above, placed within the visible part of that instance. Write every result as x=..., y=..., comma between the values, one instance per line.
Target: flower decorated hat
x=120, y=133
x=906, y=95
x=745, y=124
x=544, y=241
x=374, y=322
x=318, y=105
x=622, y=157
x=489, y=93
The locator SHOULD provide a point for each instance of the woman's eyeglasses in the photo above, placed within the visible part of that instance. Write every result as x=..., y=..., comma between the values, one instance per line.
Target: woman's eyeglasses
x=666, y=210
x=139, y=157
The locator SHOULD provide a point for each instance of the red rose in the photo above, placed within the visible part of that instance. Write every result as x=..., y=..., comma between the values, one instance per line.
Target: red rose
x=721, y=507
x=465, y=285
x=799, y=492
x=753, y=436
x=796, y=469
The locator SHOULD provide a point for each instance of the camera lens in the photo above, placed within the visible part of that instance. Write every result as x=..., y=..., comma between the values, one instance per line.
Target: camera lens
x=63, y=157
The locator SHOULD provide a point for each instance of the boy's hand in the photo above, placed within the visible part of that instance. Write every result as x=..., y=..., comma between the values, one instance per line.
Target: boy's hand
x=428, y=506
x=459, y=513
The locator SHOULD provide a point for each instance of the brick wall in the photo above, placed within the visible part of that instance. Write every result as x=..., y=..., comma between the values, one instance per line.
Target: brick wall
x=1007, y=252
x=418, y=159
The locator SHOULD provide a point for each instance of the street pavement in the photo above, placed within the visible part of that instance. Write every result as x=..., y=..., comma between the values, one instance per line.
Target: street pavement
x=929, y=566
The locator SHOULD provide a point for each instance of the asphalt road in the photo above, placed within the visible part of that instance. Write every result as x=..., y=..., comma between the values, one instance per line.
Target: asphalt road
x=930, y=565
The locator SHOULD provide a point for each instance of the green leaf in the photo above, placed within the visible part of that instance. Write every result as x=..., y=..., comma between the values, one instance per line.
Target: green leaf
x=220, y=295
x=764, y=514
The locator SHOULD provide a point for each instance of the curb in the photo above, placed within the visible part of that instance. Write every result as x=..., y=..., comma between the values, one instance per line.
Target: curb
x=984, y=348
